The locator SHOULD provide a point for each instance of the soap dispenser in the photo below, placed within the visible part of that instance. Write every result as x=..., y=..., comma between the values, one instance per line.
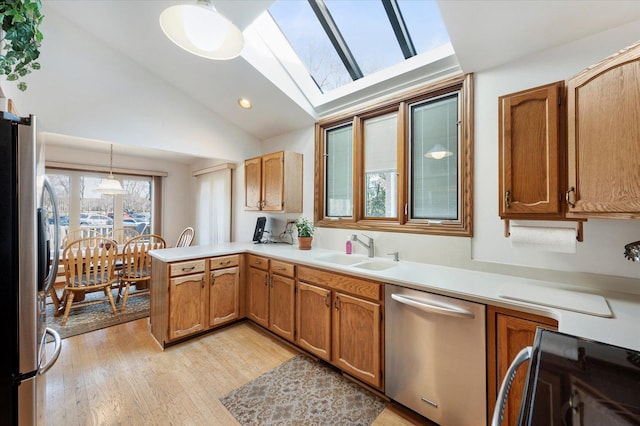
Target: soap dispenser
x=349, y=246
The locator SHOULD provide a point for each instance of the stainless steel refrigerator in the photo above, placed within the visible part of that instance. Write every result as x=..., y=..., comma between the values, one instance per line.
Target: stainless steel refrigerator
x=28, y=265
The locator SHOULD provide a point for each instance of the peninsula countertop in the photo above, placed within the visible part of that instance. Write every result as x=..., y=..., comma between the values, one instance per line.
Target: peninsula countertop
x=609, y=317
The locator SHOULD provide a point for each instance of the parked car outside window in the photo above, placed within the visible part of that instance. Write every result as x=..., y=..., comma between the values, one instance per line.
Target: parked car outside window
x=95, y=219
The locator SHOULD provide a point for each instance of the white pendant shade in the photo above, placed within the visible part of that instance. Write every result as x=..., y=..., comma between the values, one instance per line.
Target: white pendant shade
x=110, y=185
x=201, y=30
x=438, y=152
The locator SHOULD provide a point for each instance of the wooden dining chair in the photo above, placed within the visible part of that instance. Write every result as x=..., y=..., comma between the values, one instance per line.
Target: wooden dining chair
x=136, y=264
x=122, y=235
x=80, y=233
x=186, y=237
x=89, y=266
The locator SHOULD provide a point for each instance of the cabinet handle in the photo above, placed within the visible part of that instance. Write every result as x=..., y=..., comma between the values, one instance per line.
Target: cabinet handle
x=326, y=300
x=566, y=197
x=266, y=280
x=281, y=268
x=335, y=303
x=191, y=268
x=225, y=262
x=202, y=282
x=213, y=280
x=507, y=196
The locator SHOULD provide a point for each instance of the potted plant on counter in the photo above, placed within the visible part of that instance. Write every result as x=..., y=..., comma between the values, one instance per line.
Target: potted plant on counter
x=305, y=233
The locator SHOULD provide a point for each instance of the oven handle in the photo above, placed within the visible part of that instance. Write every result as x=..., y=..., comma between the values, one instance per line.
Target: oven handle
x=432, y=306
x=498, y=411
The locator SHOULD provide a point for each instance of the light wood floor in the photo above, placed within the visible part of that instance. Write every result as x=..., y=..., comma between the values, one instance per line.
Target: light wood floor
x=121, y=376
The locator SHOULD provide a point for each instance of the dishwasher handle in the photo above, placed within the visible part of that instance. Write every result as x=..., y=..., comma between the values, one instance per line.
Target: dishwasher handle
x=432, y=306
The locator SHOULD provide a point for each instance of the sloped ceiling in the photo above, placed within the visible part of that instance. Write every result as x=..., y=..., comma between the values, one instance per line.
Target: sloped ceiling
x=484, y=34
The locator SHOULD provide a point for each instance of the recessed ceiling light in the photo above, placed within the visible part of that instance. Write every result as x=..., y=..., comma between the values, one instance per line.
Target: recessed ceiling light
x=244, y=103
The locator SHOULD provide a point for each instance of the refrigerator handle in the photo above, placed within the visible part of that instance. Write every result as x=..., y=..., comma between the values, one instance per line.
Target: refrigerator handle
x=55, y=256
x=43, y=347
x=498, y=411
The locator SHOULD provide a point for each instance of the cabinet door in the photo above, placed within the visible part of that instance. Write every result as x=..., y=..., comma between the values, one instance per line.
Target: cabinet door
x=313, y=316
x=513, y=334
x=273, y=181
x=356, y=338
x=252, y=183
x=224, y=296
x=530, y=152
x=603, y=105
x=281, y=306
x=187, y=304
x=259, y=296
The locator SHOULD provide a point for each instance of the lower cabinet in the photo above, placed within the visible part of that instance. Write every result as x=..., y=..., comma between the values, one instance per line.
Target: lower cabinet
x=224, y=290
x=258, y=290
x=191, y=297
x=509, y=332
x=187, y=299
x=282, y=290
x=339, y=319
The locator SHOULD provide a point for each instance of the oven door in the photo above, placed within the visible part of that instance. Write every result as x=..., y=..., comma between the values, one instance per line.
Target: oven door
x=579, y=382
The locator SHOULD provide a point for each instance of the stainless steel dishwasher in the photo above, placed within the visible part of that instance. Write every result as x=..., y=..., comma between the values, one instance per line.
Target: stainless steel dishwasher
x=435, y=355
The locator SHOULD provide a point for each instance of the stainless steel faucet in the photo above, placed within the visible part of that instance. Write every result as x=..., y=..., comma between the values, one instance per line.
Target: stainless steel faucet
x=369, y=246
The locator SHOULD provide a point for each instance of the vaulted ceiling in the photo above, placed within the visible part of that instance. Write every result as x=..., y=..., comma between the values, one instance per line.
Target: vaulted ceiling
x=483, y=33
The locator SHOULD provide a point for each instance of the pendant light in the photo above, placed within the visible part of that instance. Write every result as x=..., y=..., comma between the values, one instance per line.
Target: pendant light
x=438, y=152
x=110, y=185
x=201, y=30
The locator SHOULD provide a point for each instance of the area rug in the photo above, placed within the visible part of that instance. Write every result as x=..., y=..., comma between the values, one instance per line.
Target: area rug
x=90, y=317
x=302, y=391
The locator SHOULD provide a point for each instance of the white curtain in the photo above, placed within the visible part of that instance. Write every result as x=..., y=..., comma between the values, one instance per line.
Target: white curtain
x=213, y=207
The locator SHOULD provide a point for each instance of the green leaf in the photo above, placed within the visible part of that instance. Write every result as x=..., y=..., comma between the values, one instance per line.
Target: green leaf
x=22, y=86
x=12, y=77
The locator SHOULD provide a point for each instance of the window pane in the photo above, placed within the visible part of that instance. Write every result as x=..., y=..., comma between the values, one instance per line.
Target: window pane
x=368, y=33
x=381, y=147
x=338, y=171
x=424, y=23
x=302, y=29
x=434, y=180
x=136, y=204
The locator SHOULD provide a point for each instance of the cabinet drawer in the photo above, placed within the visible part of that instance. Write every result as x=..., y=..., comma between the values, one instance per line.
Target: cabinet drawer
x=224, y=261
x=258, y=262
x=282, y=268
x=189, y=267
x=355, y=286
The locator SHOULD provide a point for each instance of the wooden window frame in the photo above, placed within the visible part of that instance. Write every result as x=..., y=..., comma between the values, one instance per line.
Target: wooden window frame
x=462, y=227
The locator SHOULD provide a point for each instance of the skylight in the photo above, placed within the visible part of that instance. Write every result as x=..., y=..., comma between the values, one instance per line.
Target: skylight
x=340, y=41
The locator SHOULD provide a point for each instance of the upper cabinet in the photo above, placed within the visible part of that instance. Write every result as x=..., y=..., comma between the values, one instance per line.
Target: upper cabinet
x=531, y=153
x=273, y=182
x=603, y=105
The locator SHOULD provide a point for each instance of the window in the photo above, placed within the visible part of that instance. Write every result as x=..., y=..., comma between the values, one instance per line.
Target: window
x=80, y=206
x=402, y=165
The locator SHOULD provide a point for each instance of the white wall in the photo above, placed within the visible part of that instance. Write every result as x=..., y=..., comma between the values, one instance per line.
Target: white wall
x=598, y=262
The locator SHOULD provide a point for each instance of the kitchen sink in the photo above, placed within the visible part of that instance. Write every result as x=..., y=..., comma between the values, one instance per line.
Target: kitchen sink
x=374, y=265
x=341, y=259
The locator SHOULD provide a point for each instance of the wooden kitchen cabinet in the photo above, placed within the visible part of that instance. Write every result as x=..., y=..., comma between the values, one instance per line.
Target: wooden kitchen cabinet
x=224, y=289
x=350, y=310
x=313, y=320
x=258, y=290
x=603, y=105
x=273, y=182
x=282, y=288
x=193, y=296
x=532, y=153
x=187, y=299
x=508, y=332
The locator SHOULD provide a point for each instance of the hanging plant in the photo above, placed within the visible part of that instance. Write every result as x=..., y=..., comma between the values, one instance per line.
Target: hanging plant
x=21, y=39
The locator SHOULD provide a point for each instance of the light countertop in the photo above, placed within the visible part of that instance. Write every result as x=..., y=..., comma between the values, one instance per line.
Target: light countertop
x=613, y=317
